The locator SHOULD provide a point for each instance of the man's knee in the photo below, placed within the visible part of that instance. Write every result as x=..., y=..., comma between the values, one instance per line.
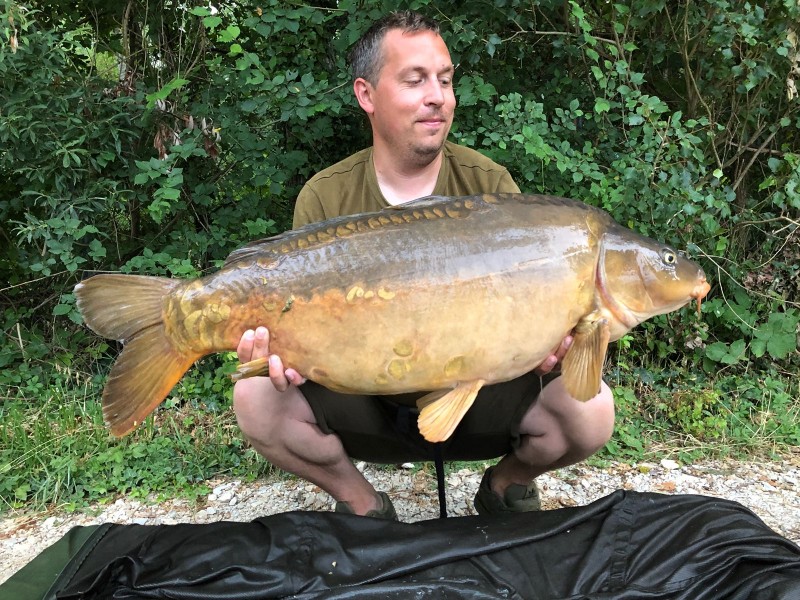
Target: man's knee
x=590, y=426
x=261, y=410
x=599, y=418
x=561, y=424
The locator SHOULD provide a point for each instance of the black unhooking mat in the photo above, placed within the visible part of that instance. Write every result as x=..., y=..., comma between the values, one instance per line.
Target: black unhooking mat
x=624, y=546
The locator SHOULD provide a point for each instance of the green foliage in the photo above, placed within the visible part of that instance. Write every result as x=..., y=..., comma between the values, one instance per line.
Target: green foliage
x=59, y=451
x=156, y=137
x=735, y=418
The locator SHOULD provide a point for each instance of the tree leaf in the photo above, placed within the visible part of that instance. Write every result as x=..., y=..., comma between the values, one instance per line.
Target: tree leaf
x=601, y=105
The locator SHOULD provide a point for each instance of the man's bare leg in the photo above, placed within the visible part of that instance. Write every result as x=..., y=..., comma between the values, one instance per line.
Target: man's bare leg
x=281, y=427
x=557, y=431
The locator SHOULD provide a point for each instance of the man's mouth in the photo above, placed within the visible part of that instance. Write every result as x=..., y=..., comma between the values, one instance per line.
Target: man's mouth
x=432, y=120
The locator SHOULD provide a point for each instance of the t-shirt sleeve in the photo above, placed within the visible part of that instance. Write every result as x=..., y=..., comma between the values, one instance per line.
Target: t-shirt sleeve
x=507, y=184
x=308, y=208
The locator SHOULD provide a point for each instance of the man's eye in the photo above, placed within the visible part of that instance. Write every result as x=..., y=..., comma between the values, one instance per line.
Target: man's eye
x=446, y=81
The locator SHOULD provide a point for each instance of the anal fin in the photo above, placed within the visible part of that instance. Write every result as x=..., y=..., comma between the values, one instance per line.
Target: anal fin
x=441, y=412
x=582, y=367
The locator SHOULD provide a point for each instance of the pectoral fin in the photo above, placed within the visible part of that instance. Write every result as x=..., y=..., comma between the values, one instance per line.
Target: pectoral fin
x=582, y=367
x=441, y=412
x=253, y=368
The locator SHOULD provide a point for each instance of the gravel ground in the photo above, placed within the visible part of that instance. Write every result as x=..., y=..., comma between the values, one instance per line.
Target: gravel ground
x=770, y=489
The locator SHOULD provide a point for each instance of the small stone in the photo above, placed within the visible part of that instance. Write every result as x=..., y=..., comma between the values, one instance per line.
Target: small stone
x=49, y=522
x=669, y=464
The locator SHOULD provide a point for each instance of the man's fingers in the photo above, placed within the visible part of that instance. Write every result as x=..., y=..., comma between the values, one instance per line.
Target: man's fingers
x=260, y=343
x=547, y=365
x=294, y=377
x=277, y=374
x=562, y=349
x=245, y=348
x=255, y=344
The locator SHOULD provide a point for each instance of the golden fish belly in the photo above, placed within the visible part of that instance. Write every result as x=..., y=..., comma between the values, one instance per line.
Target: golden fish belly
x=423, y=338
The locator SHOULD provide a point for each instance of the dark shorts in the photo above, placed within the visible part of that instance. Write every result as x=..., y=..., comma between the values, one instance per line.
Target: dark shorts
x=383, y=429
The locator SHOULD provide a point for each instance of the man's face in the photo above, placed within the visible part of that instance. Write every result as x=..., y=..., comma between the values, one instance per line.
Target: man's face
x=413, y=101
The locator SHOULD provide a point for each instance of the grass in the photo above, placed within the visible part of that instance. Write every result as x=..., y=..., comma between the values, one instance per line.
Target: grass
x=56, y=451
x=729, y=416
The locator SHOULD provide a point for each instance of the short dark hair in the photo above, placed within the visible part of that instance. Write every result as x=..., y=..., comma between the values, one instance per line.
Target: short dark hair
x=366, y=57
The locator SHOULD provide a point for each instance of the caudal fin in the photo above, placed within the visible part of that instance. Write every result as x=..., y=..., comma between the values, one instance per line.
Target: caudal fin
x=129, y=308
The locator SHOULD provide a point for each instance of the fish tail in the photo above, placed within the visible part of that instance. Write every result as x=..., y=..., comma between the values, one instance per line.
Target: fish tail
x=129, y=308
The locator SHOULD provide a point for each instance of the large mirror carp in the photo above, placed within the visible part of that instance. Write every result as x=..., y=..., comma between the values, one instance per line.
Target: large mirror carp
x=442, y=295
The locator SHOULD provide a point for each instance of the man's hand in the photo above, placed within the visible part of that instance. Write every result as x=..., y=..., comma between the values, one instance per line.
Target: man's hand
x=551, y=361
x=255, y=344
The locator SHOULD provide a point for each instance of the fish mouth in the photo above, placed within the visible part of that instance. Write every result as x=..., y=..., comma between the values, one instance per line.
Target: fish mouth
x=700, y=291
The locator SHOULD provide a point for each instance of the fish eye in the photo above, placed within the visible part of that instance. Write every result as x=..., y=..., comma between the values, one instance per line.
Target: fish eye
x=668, y=256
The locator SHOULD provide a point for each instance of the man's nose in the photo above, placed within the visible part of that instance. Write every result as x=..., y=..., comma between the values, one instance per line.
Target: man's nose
x=434, y=93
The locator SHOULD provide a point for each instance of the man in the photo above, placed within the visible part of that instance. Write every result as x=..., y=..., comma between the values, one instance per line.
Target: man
x=403, y=80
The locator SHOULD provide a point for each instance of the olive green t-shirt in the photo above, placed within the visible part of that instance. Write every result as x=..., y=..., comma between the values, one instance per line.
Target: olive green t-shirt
x=351, y=186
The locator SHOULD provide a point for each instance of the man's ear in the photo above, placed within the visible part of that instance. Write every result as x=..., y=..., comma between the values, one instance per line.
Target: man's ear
x=363, y=90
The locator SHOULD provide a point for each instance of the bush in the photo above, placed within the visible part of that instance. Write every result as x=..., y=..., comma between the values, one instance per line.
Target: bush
x=152, y=138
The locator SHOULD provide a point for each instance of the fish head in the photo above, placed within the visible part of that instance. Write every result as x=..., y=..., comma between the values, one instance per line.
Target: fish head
x=638, y=278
